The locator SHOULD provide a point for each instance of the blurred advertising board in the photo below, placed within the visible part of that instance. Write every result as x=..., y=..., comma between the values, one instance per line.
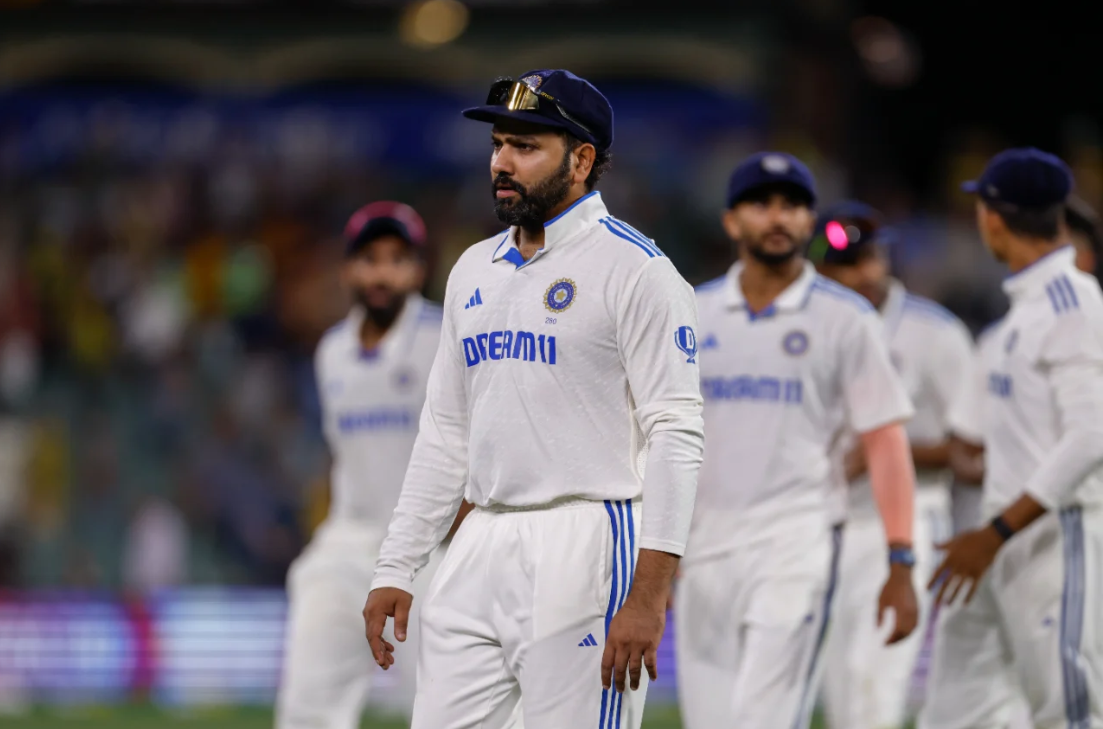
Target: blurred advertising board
x=183, y=647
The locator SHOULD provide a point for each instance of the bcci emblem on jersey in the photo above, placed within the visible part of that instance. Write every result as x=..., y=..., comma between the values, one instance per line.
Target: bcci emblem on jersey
x=687, y=342
x=795, y=343
x=560, y=295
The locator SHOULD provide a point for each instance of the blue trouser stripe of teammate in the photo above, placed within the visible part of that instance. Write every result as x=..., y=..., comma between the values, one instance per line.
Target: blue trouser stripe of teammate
x=624, y=567
x=828, y=600
x=1072, y=620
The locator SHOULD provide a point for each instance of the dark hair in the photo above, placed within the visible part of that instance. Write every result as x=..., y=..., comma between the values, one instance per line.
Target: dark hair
x=1081, y=219
x=1044, y=223
x=602, y=160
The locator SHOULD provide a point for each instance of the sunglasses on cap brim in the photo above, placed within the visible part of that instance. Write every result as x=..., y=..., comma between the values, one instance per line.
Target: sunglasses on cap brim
x=517, y=96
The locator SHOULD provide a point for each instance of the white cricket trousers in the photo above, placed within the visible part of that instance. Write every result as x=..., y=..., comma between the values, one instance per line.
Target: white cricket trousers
x=750, y=625
x=865, y=682
x=328, y=667
x=1035, y=626
x=519, y=609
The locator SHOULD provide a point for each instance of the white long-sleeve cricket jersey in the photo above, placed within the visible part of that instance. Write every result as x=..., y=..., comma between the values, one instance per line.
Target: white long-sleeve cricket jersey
x=966, y=415
x=932, y=352
x=780, y=387
x=571, y=375
x=1043, y=404
x=371, y=401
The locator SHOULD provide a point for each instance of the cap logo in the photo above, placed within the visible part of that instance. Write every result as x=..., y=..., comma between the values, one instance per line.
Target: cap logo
x=992, y=190
x=533, y=81
x=775, y=164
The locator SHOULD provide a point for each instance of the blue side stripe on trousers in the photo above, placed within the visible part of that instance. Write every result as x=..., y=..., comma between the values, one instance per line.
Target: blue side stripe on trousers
x=828, y=598
x=605, y=706
x=629, y=564
x=1077, y=709
x=623, y=525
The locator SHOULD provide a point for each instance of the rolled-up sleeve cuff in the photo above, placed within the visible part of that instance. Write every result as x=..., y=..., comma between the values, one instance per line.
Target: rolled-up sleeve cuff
x=390, y=580
x=661, y=545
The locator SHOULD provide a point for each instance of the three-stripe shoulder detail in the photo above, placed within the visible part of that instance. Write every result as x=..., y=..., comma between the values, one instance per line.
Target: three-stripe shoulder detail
x=626, y=232
x=1062, y=295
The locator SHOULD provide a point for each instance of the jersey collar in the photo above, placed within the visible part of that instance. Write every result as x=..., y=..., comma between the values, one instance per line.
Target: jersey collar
x=586, y=211
x=1034, y=278
x=791, y=299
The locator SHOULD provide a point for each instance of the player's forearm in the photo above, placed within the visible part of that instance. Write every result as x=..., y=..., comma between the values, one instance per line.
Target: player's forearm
x=1022, y=513
x=427, y=507
x=892, y=479
x=420, y=522
x=676, y=449
x=967, y=461
x=653, y=579
x=931, y=455
x=1065, y=467
x=1078, y=391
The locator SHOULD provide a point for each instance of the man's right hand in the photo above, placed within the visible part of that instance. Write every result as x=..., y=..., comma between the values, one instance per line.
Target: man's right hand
x=383, y=603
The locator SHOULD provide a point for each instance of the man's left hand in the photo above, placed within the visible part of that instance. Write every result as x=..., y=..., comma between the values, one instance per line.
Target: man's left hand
x=899, y=594
x=632, y=644
x=967, y=557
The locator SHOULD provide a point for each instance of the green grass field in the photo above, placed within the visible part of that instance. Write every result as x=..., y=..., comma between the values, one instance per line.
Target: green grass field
x=146, y=717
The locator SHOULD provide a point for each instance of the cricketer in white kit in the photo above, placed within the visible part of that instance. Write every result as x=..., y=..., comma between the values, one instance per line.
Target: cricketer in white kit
x=966, y=416
x=788, y=360
x=565, y=404
x=1032, y=616
x=866, y=682
x=371, y=371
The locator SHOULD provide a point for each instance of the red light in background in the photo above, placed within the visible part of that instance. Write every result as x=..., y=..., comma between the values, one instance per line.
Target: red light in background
x=836, y=235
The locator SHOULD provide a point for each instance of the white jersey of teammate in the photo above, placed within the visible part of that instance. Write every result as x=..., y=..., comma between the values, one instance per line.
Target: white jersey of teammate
x=1039, y=602
x=865, y=682
x=779, y=388
x=565, y=389
x=370, y=401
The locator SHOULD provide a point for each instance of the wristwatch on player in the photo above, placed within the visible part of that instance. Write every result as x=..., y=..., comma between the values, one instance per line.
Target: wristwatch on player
x=902, y=556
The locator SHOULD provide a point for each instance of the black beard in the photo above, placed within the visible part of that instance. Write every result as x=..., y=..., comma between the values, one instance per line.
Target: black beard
x=529, y=210
x=758, y=252
x=382, y=316
x=772, y=259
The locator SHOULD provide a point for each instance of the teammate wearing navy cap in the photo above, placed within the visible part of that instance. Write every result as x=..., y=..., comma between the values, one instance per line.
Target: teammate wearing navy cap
x=564, y=393
x=789, y=359
x=371, y=371
x=1030, y=617
x=866, y=682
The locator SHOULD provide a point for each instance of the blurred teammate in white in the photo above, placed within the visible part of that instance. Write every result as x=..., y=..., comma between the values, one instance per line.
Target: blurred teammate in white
x=966, y=417
x=371, y=370
x=788, y=360
x=866, y=682
x=565, y=392
x=1031, y=621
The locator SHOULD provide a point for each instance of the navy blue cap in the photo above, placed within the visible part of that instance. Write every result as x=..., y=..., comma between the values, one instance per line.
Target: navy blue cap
x=844, y=232
x=1024, y=178
x=567, y=102
x=770, y=168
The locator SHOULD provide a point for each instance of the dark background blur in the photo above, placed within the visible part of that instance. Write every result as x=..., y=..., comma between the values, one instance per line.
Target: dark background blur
x=174, y=175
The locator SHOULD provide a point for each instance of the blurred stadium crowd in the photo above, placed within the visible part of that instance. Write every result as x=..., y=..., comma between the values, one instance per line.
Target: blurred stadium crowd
x=167, y=264
x=169, y=252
